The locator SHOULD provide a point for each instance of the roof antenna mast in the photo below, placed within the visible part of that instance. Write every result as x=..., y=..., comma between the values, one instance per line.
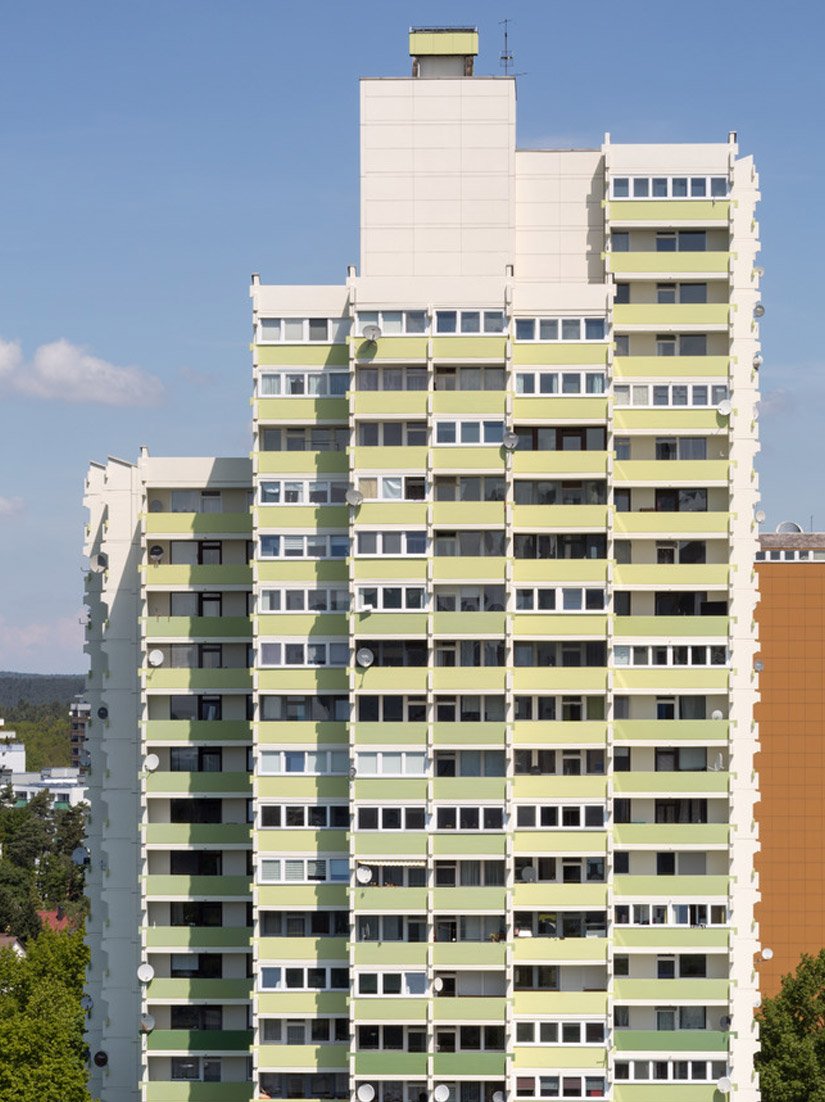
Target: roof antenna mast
x=506, y=58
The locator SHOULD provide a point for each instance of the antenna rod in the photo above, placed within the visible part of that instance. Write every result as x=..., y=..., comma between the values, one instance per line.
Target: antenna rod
x=506, y=58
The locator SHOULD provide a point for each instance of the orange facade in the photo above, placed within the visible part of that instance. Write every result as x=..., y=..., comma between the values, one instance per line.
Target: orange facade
x=791, y=765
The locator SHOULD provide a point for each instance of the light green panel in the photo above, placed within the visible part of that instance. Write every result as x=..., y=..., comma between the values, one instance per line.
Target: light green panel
x=375, y=404
x=302, y=897
x=278, y=626
x=453, y=348
x=533, y=354
x=560, y=410
x=567, y=788
x=679, y=937
x=651, y=574
x=662, y=421
x=391, y=953
x=534, y=1004
x=662, y=473
x=193, y=524
x=301, y=517
x=669, y=212
x=197, y=990
x=572, y=517
x=269, y=841
x=377, y=679
x=302, y=1003
x=559, y=841
x=270, y=733
x=198, y=627
x=302, y=410
x=292, y=787
x=677, y=628
x=179, y=680
x=665, y=1092
x=197, y=887
x=456, y=954
x=391, y=1063
x=550, y=463
x=527, y=679
x=448, y=1064
x=538, y=1058
x=303, y=681
x=320, y=1057
x=468, y=845
x=390, y=1010
x=674, y=679
x=459, y=900
x=526, y=896
x=669, y=783
x=559, y=733
x=671, y=732
x=673, y=524
x=469, y=788
x=553, y=571
x=462, y=569
x=481, y=458
x=367, y=845
x=469, y=734
x=459, y=43
x=391, y=900
x=667, y=991
x=199, y=1040
x=390, y=734
x=466, y=402
x=382, y=789
x=389, y=459
x=302, y=355
x=670, y=367
x=670, y=1041
x=405, y=624
x=677, y=316
x=446, y=514
x=196, y=783
x=454, y=624
x=486, y=1009
x=555, y=950
x=469, y=679
x=213, y=576
x=667, y=265
x=301, y=948
x=159, y=731
x=378, y=570
x=308, y=571
x=305, y=464
x=670, y=887
x=671, y=834
x=411, y=513
x=162, y=1091
x=198, y=937
x=408, y=349
x=528, y=625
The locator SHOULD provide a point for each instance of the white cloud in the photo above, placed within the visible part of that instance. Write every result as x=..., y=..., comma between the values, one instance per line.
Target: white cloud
x=10, y=506
x=42, y=646
x=66, y=372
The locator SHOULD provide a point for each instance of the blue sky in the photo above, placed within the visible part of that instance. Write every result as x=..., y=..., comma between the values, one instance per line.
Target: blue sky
x=154, y=155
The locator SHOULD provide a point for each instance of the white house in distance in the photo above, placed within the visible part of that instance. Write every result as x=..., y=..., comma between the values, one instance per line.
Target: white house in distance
x=64, y=782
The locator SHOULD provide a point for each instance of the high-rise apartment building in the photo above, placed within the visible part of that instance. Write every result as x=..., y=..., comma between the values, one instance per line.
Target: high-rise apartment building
x=429, y=774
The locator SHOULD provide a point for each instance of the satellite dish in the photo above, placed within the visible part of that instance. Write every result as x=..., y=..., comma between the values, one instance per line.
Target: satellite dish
x=353, y=773
x=155, y=553
x=498, y=1096
x=528, y=874
x=724, y=408
x=757, y=999
x=371, y=333
x=151, y=763
x=86, y=1002
x=759, y=665
x=759, y=310
x=145, y=973
x=510, y=441
x=724, y=1085
x=365, y=1092
x=147, y=1023
x=438, y=984
x=757, y=361
x=353, y=497
x=103, y=712
x=364, y=657
x=761, y=516
x=99, y=562
x=80, y=856
x=767, y=953
x=759, y=270
x=441, y=1093
x=716, y=714
x=788, y=528
x=363, y=874
x=155, y=506
x=84, y=618
x=725, y=1021
x=155, y=657
x=100, y=1059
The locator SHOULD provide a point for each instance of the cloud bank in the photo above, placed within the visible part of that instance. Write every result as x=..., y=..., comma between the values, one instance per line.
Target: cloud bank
x=66, y=372
x=10, y=506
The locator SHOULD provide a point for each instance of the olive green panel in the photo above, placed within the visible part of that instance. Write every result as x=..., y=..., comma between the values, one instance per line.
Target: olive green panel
x=214, y=576
x=673, y=679
x=373, y=570
x=176, y=524
x=460, y=900
x=559, y=895
x=671, y=887
x=679, y=937
x=284, y=571
x=301, y=517
x=535, y=1058
x=670, y=627
x=469, y=679
x=391, y=953
x=443, y=43
x=448, y=1064
x=285, y=842
x=651, y=574
x=301, y=948
x=462, y=569
x=671, y=834
x=160, y=731
x=559, y=841
x=390, y=1010
x=391, y=1063
x=667, y=265
x=446, y=514
x=194, y=783
x=307, y=464
x=179, y=680
x=389, y=459
x=567, y=788
x=448, y=348
x=292, y=787
x=694, y=1041
x=469, y=734
x=469, y=788
x=368, y=844
x=560, y=410
x=670, y=731
x=469, y=1009
x=381, y=789
x=665, y=1092
x=701, y=990
x=391, y=900
x=458, y=402
x=694, y=472
x=469, y=845
x=488, y=457
x=670, y=367
x=532, y=1004
x=302, y=1003
x=550, y=463
x=408, y=349
x=298, y=625
x=198, y=937
x=575, y=518
x=535, y=354
x=555, y=625
x=197, y=990
x=553, y=571
x=666, y=212
x=664, y=420
x=200, y=887
x=303, y=681
x=390, y=734
x=376, y=404
x=163, y=1091
x=302, y=896
x=456, y=954
x=199, y=1040
x=411, y=513
x=669, y=783
x=559, y=732
x=527, y=679
x=404, y=624
x=302, y=355
x=671, y=524
x=198, y=627
x=271, y=733
x=554, y=950
x=454, y=624
x=302, y=410
x=707, y=314
x=376, y=679
x=317, y=1057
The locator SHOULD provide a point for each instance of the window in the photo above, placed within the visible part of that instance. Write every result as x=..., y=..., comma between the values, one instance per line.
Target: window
x=469, y=488
x=315, y=923
x=313, y=545
x=683, y=241
x=469, y=652
x=469, y=432
x=325, y=599
x=297, y=330
x=685, y=293
x=392, y=983
x=391, y=818
x=412, y=874
x=622, y=294
x=392, y=434
x=308, y=709
x=392, y=652
x=303, y=978
x=567, y=599
x=305, y=816
x=392, y=709
x=304, y=384
x=567, y=492
x=562, y=546
x=394, y=322
x=469, y=874
x=561, y=381
x=676, y=394
x=393, y=542
x=398, y=598
x=391, y=378
x=196, y=1068
x=469, y=818
x=326, y=1085
x=469, y=763
x=469, y=709
x=564, y=438
x=303, y=870
x=302, y=492
x=564, y=329
x=669, y=187
x=303, y=653
x=560, y=1033
x=304, y=438
x=391, y=763
x=674, y=655
x=314, y=762
x=469, y=321
x=566, y=708
x=470, y=378
x=470, y=598
x=394, y=488
x=486, y=543
x=298, y=1031
x=559, y=816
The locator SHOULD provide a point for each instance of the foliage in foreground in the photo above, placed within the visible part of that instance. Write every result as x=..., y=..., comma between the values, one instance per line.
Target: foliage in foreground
x=792, y=1028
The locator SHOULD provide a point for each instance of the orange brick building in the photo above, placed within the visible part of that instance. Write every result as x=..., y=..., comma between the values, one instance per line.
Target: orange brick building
x=791, y=764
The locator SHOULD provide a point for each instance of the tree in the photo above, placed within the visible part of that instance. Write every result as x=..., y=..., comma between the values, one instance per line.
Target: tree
x=18, y=902
x=792, y=1028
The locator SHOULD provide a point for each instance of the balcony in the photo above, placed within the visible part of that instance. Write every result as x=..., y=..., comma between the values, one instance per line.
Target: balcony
x=302, y=680
x=668, y=1041
x=198, y=834
x=672, y=679
x=411, y=513
x=564, y=788
x=463, y=900
x=486, y=403
x=664, y=213
x=670, y=784
x=551, y=895
x=550, y=463
x=403, y=349
x=457, y=789
x=391, y=953
x=469, y=734
x=301, y=1004
x=375, y=404
x=671, y=367
x=284, y=517
x=671, y=524
x=303, y=896
x=198, y=937
x=668, y=266
x=469, y=679
x=160, y=1090
x=553, y=950
x=182, y=678
x=534, y=1004
x=200, y=1040
x=575, y=518
x=407, y=900
x=318, y=1057
x=301, y=463
x=671, y=887
x=478, y=844
x=448, y=568
x=449, y=1064
x=196, y=784
x=197, y=524
x=168, y=731
x=389, y=1009
x=676, y=938
x=662, y=472
x=197, y=887
x=676, y=835
x=484, y=457
x=215, y=577
x=564, y=679
x=653, y=316
x=668, y=419
x=302, y=411
x=230, y=990
x=470, y=1008
x=665, y=991
x=448, y=514
x=557, y=625
x=653, y=575
x=301, y=948
x=670, y=627
x=456, y=624
x=389, y=459
x=198, y=627
x=367, y=845
x=456, y=954
x=412, y=1064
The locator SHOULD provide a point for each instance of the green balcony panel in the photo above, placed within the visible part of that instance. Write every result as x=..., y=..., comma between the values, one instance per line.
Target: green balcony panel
x=555, y=571
x=230, y=990
x=487, y=403
x=695, y=1041
x=469, y=734
x=465, y=569
x=670, y=680
x=707, y=315
x=568, y=788
x=446, y=514
x=539, y=354
x=673, y=730
x=474, y=624
x=320, y=1057
x=533, y=1004
x=386, y=1009
x=196, y=524
x=670, y=627
x=389, y=459
x=560, y=1057
x=572, y=518
x=198, y=937
x=678, y=938
x=405, y=349
x=270, y=733
x=468, y=679
x=302, y=1003
x=382, y=789
x=367, y=845
x=662, y=473
x=388, y=954
x=308, y=570
x=670, y=212
x=484, y=457
x=170, y=732
x=674, y=524
x=449, y=1064
x=469, y=788
x=563, y=409
x=292, y=787
x=662, y=420
x=568, y=679
x=198, y=627
x=413, y=1064
x=308, y=464
x=297, y=625
x=405, y=624
x=197, y=887
x=554, y=950
x=300, y=410
x=163, y=1091
x=302, y=948
x=559, y=841
x=552, y=463
x=534, y=732
x=476, y=1008
x=411, y=679
x=555, y=625
x=671, y=887
x=457, y=900
x=214, y=576
x=655, y=835
x=303, y=681
x=408, y=900
x=549, y=896
x=375, y=405
x=456, y=954
x=181, y=680
x=198, y=834
x=299, y=355
x=196, y=783
x=301, y=841
x=383, y=734
x=670, y=783
x=468, y=845
x=666, y=991
x=668, y=265
x=671, y=367
x=459, y=348
x=700, y=575
x=412, y=513
x=377, y=570
x=302, y=896
x=199, y=1040
x=280, y=517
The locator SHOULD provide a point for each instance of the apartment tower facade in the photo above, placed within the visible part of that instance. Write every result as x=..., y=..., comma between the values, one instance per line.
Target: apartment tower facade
x=422, y=745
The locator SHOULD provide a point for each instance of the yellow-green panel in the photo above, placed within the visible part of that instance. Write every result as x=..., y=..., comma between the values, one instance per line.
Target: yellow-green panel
x=446, y=514
x=559, y=732
x=568, y=788
x=302, y=948
x=196, y=783
x=670, y=731
x=469, y=788
x=469, y=679
x=308, y=733
x=391, y=953
x=460, y=900
x=458, y=402
x=376, y=404
x=696, y=1041
x=488, y=457
x=447, y=1064
x=671, y=679
x=474, y=844
x=537, y=1058
x=161, y=990
x=390, y=900
x=538, y=1004
x=307, y=464
x=376, y=570
x=667, y=265
x=559, y=841
x=681, y=937
x=320, y=1057
x=670, y=783
x=555, y=625
x=486, y=1009
x=670, y=627
x=664, y=420
x=389, y=459
x=665, y=1092
x=277, y=625
x=449, y=624
x=671, y=523
x=198, y=627
x=669, y=367
x=179, y=680
x=670, y=990
x=303, y=681
x=215, y=576
x=301, y=410
x=302, y=1003
x=463, y=569
x=405, y=624
x=390, y=734
x=526, y=896
x=197, y=887
x=196, y=524
x=448, y=348
x=553, y=571
x=301, y=897
x=167, y=1091
x=700, y=575
x=300, y=841
x=529, y=679
x=469, y=734
x=666, y=212
x=560, y=410
x=391, y=1063
x=412, y=679
x=410, y=513
x=310, y=571
x=533, y=354
x=160, y=731
x=302, y=355
x=408, y=349
x=301, y=517
x=380, y=790
x=198, y=834
x=463, y=43
x=456, y=954
x=693, y=472
x=368, y=844
x=707, y=314
x=554, y=950
x=671, y=887
x=198, y=937
x=671, y=834
x=558, y=463
x=574, y=518
x=390, y=1010
x=295, y=787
